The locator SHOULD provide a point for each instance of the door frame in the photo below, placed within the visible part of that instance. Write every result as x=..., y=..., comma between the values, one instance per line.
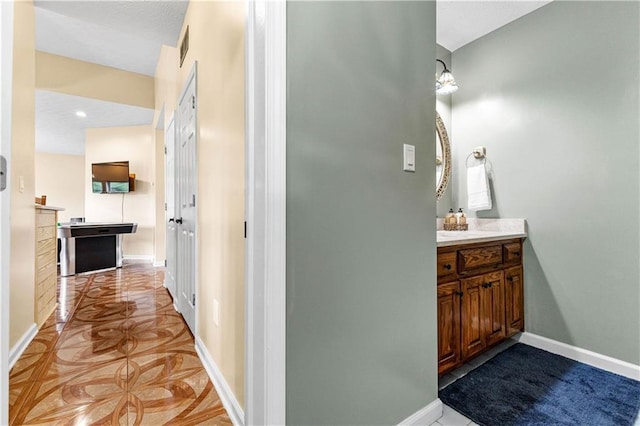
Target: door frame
x=265, y=212
x=6, y=81
x=171, y=126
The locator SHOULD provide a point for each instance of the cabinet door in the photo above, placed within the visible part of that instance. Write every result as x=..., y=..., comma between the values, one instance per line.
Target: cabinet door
x=514, y=292
x=448, y=326
x=473, y=336
x=493, y=309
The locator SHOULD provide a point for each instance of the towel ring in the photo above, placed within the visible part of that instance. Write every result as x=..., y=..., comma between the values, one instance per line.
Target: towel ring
x=477, y=156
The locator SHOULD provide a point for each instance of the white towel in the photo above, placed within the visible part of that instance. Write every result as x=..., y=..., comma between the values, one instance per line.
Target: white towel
x=478, y=192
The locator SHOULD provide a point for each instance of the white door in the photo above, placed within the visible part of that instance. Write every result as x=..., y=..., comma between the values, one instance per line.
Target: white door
x=6, y=67
x=170, y=211
x=186, y=201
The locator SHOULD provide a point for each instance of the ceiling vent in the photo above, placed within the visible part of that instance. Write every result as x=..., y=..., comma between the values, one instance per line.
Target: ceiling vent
x=184, y=46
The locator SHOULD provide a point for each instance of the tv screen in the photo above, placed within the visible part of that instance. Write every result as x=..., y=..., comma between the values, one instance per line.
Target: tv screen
x=110, y=178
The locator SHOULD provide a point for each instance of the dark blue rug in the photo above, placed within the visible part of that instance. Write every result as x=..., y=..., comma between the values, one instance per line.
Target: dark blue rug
x=528, y=386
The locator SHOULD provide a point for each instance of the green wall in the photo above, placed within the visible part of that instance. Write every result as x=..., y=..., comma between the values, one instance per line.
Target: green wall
x=554, y=97
x=361, y=295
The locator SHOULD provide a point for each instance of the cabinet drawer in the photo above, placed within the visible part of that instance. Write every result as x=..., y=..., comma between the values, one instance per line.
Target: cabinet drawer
x=512, y=253
x=446, y=264
x=482, y=257
x=45, y=246
x=46, y=274
x=46, y=296
x=45, y=233
x=45, y=218
x=44, y=259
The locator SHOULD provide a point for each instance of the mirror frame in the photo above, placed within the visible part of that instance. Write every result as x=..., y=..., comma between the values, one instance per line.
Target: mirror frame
x=446, y=157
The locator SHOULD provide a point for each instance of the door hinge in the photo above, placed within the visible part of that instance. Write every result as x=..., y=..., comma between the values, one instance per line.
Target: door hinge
x=165, y=263
x=165, y=207
x=245, y=229
x=193, y=101
x=193, y=298
x=165, y=150
x=193, y=200
x=3, y=173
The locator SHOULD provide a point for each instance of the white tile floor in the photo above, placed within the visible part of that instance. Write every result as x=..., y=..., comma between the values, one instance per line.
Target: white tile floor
x=451, y=417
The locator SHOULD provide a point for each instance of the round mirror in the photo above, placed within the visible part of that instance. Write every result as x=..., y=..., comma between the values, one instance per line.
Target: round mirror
x=443, y=157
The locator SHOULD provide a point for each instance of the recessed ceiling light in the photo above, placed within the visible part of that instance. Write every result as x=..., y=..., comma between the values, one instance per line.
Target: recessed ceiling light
x=81, y=114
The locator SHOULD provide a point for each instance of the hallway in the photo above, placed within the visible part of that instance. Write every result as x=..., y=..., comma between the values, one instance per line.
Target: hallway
x=114, y=352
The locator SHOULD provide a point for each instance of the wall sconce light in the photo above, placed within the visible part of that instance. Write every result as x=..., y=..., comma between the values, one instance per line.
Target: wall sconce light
x=445, y=84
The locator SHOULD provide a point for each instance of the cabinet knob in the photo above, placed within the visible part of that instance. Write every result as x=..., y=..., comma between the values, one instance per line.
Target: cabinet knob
x=459, y=293
x=487, y=285
x=516, y=253
x=509, y=278
x=447, y=266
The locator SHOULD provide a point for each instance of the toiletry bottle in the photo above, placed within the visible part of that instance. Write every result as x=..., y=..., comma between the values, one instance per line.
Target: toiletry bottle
x=450, y=219
x=457, y=216
x=462, y=219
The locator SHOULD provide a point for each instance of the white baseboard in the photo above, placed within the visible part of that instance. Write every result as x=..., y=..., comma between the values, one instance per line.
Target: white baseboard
x=139, y=257
x=585, y=356
x=231, y=404
x=425, y=416
x=158, y=263
x=16, y=351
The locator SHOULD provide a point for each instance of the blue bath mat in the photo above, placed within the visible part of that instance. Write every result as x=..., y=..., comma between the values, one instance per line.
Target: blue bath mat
x=528, y=386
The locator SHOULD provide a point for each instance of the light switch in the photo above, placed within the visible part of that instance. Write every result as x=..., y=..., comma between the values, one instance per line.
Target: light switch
x=409, y=158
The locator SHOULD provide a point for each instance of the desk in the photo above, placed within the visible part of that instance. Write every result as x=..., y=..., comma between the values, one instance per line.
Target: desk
x=91, y=246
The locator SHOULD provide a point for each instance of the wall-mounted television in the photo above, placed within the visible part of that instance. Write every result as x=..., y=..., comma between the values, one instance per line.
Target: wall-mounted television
x=110, y=178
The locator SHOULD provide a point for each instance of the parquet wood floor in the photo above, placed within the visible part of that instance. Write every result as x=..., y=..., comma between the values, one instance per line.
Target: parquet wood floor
x=115, y=352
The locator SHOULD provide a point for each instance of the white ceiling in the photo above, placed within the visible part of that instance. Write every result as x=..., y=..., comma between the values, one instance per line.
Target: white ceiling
x=460, y=22
x=128, y=35
x=120, y=34
x=59, y=130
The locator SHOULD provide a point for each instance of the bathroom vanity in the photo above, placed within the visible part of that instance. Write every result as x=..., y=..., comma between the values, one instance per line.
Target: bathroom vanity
x=480, y=290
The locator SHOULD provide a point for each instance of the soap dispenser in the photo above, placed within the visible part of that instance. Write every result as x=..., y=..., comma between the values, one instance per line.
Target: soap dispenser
x=462, y=220
x=450, y=219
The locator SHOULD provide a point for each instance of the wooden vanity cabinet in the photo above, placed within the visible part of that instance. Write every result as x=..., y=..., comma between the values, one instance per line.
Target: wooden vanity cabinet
x=483, y=312
x=514, y=300
x=480, y=302
x=449, y=325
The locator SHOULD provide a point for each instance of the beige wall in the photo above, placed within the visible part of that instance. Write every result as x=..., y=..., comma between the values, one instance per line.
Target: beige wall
x=166, y=86
x=216, y=39
x=79, y=78
x=135, y=144
x=22, y=275
x=61, y=178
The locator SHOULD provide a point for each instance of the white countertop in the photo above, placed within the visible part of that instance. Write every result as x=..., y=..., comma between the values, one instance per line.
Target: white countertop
x=40, y=206
x=482, y=230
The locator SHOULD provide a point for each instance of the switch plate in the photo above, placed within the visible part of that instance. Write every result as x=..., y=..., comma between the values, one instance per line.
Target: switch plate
x=216, y=312
x=409, y=154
